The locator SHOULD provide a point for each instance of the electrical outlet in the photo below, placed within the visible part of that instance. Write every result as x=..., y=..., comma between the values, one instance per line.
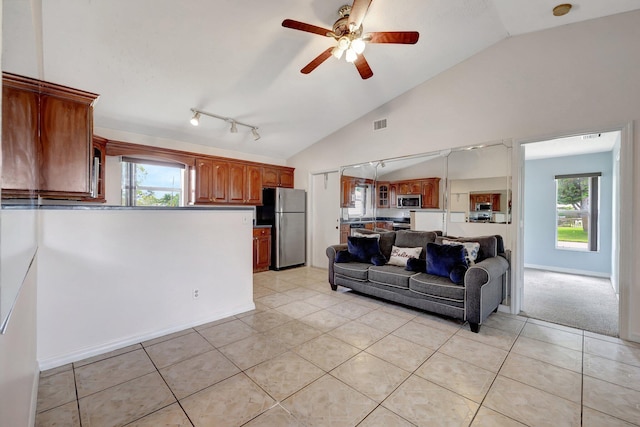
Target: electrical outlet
x=196, y=293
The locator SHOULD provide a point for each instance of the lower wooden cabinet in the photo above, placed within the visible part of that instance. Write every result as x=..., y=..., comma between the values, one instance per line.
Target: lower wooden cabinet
x=261, y=249
x=345, y=231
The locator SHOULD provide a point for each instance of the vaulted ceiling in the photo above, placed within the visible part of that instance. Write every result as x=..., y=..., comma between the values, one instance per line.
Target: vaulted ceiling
x=153, y=60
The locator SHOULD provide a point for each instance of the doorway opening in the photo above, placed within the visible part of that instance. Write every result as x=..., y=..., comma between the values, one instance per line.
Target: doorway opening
x=571, y=231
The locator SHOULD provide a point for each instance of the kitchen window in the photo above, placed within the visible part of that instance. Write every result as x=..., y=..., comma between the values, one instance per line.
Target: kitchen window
x=577, y=207
x=152, y=183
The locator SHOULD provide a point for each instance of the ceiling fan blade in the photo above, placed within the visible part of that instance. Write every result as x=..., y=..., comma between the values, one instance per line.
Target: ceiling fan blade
x=400, y=37
x=363, y=67
x=319, y=60
x=358, y=12
x=297, y=25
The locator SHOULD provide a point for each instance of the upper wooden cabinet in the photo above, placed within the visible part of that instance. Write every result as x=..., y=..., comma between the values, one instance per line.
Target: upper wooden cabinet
x=245, y=184
x=212, y=181
x=409, y=187
x=383, y=195
x=492, y=198
x=347, y=192
x=46, y=139
x=431, y=193
x=277, y=176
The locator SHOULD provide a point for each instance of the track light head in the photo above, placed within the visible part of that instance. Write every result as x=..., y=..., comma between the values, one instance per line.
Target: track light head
x=234, y=127
x=256, y=135
x=195, y=120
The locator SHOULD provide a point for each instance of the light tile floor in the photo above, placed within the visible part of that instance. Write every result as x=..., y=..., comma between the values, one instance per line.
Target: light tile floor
x=308, y=356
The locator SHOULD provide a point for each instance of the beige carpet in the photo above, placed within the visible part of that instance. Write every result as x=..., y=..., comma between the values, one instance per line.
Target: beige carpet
x=583, y=302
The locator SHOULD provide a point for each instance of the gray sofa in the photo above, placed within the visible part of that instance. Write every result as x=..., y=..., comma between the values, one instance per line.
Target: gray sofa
x=473, y=301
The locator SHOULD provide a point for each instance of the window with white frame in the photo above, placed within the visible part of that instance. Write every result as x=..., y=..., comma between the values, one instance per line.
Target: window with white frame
x=152, y=183
x=577, y=206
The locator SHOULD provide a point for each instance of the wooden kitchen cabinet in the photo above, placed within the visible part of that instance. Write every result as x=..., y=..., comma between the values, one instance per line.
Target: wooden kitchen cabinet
x=98, y=158
x=383, y=195
x=345, y=232
x=393, y=196
x=347, y=192
x=261, y=249
x=212, y=181
x=386, y=225
x=409, y=187
x=274, y=176
x=493, y=198
x=50, y=127
x=245, y=184
x=431, y=193
x=20, y=130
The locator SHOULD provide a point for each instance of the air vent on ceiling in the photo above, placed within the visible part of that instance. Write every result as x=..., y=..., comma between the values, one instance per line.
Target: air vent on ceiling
x=592, y=136
x=380, y=124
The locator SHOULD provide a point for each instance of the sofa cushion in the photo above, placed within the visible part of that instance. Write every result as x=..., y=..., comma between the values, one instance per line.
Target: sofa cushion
x=413, y=239
x=471, y=249
x=343, y=256
x=362, y=249
x=456, y=275
x=417, y=265
x=353, y=270
x=442, y=258
x=436, y=286
x=399, y=256
x=390, y=275
x=488, y=245
x=385, y=238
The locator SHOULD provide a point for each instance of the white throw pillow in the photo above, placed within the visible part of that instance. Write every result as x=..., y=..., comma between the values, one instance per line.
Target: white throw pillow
x=399, y=256
x=471, y=249
x=355, y=233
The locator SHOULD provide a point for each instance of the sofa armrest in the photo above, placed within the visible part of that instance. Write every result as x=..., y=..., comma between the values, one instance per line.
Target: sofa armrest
x=483, y=283
x=331, y=254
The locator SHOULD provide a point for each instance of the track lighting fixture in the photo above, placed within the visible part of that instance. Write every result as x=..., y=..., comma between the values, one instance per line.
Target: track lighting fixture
x=195, y=120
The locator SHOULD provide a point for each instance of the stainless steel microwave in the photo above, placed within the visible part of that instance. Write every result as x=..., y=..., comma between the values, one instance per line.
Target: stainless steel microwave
x=410, y=201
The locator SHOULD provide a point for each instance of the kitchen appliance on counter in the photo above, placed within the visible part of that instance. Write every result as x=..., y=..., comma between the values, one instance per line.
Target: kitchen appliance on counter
x=285, y=210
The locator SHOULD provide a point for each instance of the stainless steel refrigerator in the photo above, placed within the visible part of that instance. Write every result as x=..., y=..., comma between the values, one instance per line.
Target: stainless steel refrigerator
x=285, y=210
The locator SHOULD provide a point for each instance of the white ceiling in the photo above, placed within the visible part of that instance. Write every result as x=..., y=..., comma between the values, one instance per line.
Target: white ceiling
x=572, y=145
x=153, y=60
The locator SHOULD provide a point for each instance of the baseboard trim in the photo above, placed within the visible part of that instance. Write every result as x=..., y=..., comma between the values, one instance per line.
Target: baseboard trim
x=568, y=270
x=54, y=362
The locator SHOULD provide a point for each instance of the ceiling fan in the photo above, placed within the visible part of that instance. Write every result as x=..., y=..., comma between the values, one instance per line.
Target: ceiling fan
x=351, y=40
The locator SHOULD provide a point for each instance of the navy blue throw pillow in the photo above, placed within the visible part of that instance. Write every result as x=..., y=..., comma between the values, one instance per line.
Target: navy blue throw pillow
x=416, y=264
x=362, y=249
x=378, y=259
x=442, y=258
x=343, y=256
x=457, y=274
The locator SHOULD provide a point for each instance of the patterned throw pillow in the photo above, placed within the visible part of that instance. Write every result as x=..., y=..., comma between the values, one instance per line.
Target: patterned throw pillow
x=471, y=249
x=399, y=256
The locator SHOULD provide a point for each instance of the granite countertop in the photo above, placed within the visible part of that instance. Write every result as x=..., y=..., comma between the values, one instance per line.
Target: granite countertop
x=262, y=226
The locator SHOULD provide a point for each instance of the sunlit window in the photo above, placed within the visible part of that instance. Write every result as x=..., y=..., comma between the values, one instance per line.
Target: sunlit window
x=577, y=211
x=151, y=183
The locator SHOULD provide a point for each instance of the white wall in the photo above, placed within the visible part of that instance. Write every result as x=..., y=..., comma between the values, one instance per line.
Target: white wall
x=561, y=81
x=108, y=278
x=18, y=367
x=540, y=215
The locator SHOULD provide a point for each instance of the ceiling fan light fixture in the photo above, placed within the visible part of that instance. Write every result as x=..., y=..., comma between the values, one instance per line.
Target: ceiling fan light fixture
x=256, y=135
x=358, y=45
x=195, y=120
x=351, y=56
x=344, y=42
x=337, y=52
